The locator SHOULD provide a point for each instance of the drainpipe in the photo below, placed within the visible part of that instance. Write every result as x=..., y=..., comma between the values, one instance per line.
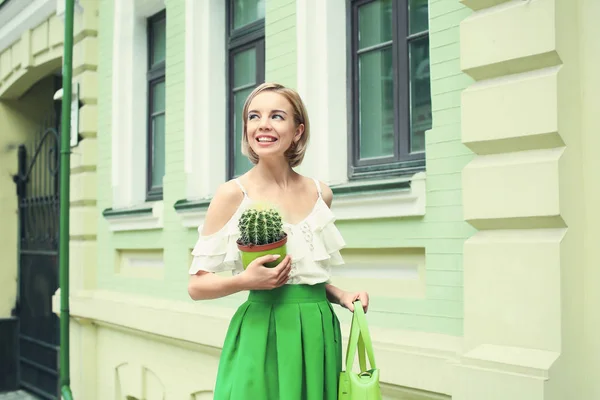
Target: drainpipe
x=65, y=180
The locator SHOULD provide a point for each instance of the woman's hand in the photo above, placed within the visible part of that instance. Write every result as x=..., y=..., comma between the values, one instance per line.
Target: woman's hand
x=347, y=300
x=258, y=277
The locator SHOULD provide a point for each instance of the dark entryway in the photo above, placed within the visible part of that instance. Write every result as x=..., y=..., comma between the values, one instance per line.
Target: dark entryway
x=38, y=195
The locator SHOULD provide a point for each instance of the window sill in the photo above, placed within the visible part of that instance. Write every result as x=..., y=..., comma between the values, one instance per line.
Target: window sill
x=147, y=216
x=192, y=212
x=399, y=197
x=390, y=198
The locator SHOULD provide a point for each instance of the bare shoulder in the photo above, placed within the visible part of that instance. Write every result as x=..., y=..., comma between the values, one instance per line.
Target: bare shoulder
x=224, y=204
x=326, y=193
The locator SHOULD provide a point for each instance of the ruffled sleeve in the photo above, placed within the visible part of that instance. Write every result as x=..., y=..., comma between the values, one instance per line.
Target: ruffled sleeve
x=333, y=242
x=217, y=252
x=328, y=240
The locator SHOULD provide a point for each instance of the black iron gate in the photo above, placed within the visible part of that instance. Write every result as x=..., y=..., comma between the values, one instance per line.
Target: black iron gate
x=38, y=194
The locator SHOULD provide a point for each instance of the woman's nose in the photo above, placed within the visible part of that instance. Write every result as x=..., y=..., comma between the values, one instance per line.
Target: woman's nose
x=264, y=123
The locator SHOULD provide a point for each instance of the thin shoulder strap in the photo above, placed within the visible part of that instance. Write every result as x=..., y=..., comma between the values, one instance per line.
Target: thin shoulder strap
x=318, y=186
x=241, y=186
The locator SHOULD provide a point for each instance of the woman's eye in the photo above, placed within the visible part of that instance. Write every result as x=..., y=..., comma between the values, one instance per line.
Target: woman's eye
x=277, y=116
x=252, y=116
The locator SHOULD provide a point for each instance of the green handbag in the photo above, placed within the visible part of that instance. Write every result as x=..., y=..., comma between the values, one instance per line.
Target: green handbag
x=363, y=385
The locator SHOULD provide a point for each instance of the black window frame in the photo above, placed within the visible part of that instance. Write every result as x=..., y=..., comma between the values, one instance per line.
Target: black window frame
x=155, y=74
x=241, y=39
x=403, y=162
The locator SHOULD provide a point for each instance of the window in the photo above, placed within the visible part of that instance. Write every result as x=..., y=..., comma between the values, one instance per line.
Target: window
x=156, y=106
x=246, y=70
x=390, y=86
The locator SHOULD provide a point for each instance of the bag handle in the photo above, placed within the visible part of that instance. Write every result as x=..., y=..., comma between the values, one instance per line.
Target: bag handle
x=361, y=338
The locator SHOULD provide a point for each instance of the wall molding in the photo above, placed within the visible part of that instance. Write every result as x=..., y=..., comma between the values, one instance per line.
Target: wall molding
x=150, y=216
x=407, y=202
x=417, y=360
x=21, y=16
x=394, y=198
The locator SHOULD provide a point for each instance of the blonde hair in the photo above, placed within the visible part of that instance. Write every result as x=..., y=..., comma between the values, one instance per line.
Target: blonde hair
x=295, y=154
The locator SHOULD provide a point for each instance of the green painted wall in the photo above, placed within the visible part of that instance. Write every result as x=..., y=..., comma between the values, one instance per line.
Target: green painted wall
x=280, y=42
x=441, y=232
x=170, y=237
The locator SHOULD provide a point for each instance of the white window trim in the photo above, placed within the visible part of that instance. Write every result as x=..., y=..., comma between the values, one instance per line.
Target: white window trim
x=129, y=85
x=205, y=98
x=409, y=202
x=138, y=222
x=321, y=35
x=205, y=141
x=192, y=218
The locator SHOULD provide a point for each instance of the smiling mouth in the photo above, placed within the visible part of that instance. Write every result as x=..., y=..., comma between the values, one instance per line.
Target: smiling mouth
x=266, y=139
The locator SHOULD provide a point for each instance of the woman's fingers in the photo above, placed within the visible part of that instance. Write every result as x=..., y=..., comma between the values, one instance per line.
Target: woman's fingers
x=283, y=267
x=283, y=275
x=364, y=299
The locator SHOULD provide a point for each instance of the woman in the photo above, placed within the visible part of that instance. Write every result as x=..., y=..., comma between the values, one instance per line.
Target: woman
x=284, y=341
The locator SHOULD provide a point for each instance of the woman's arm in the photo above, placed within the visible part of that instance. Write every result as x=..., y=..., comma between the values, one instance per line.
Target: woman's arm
x=334, y=294
x=206, y=285
x=346, y=299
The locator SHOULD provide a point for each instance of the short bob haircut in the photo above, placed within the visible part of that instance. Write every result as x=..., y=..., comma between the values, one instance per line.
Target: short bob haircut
x=295, y=154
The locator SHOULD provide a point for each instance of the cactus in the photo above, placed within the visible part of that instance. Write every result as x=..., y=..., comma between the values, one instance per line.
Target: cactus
x=260, y=226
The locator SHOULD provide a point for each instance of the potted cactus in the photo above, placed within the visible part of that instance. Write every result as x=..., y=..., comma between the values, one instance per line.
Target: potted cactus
x=261, y=233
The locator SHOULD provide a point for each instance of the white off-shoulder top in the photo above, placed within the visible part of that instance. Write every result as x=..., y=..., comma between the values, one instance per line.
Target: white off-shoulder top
x=314, y=245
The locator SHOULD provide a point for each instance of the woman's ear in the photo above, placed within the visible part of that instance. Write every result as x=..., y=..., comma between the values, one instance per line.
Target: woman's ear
x=299, y=132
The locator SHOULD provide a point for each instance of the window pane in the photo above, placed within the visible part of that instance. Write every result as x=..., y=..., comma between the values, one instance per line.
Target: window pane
x=374, y=23
x=241, y=164
x=247, y=11
x=244, y=68
x=376, y=104
x=158, y=150
x=159, y=41
x=158, y=97
x=420, y=93
x=418, y=16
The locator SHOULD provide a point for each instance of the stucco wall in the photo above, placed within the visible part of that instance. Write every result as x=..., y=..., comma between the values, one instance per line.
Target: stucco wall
x=590, y=103
x=526, y=193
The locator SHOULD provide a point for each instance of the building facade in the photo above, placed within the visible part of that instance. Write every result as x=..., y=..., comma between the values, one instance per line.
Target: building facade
x=173, y=77
x=457, y=136
x=31, y=48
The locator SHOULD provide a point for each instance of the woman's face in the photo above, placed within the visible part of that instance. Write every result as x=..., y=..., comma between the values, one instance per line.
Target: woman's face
x=271, y=128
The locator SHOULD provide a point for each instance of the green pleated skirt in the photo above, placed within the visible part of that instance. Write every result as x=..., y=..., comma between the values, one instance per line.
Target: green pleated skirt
x=282, y=344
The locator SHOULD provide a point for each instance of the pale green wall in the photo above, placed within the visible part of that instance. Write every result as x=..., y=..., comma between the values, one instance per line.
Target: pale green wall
x=280, y=42
x=170, y=237
x=441, y=232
